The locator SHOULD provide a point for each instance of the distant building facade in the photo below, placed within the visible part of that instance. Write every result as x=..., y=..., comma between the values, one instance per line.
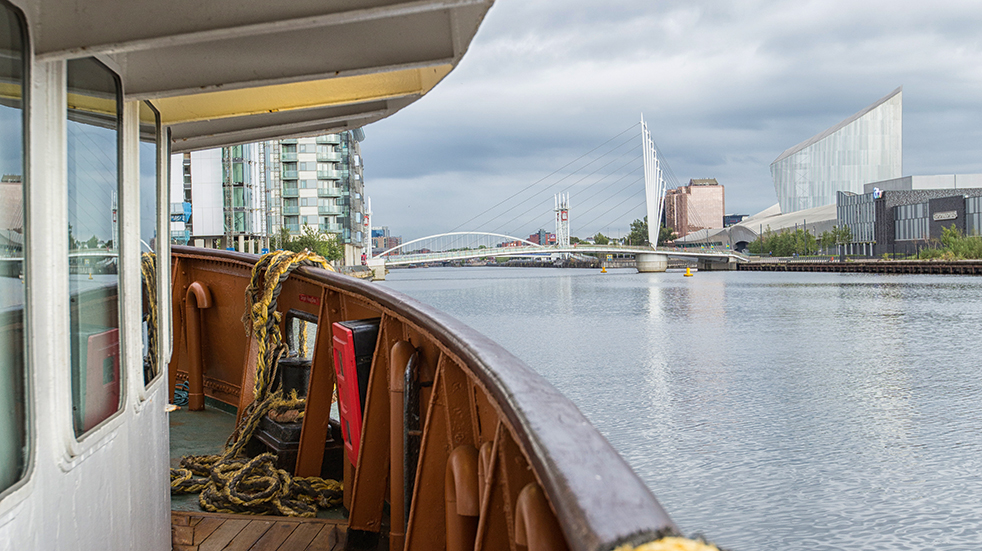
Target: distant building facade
x=382, y=241
x=902, y=219
x=731, y=219
x=697, y=206
x=244, y=195
x=866, y=147
x=542, y=237
x=318, y=183
x=217, y=198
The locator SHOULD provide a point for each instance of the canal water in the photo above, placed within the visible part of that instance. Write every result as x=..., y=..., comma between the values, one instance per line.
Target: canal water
x=767, y=411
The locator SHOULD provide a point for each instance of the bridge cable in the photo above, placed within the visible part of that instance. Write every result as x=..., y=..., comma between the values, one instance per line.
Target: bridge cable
x=614, y=196
x=539, y=204
x=614, y=207
x=553, y=173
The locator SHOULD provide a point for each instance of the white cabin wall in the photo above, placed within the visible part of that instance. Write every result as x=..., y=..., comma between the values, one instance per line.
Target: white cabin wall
x=109, y=490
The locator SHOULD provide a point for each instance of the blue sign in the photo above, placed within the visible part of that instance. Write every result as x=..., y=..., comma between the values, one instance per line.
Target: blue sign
x=264, y=250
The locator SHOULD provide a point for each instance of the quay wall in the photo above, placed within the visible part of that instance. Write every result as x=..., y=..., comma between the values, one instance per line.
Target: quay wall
x=960, y=267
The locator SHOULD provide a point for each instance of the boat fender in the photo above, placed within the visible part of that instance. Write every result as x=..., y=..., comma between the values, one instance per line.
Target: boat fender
x=462, y=498
x=536, y=526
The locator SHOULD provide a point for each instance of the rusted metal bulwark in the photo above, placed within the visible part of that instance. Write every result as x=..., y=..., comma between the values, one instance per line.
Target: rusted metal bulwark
x=504, y=460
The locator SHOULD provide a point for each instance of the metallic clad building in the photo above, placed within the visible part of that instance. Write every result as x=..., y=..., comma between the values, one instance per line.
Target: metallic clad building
x=866, y=147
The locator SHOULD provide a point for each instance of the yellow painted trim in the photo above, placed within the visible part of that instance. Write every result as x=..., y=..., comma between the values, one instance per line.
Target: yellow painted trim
x=90, y=104
x=299, y=95
x=11, y=91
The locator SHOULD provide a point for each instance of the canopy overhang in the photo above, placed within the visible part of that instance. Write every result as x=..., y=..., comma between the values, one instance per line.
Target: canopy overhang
x=224, y=72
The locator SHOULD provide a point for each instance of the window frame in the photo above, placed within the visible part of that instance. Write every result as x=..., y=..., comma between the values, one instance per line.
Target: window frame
x=79, y=443
x=13, y=495
x=163, y=251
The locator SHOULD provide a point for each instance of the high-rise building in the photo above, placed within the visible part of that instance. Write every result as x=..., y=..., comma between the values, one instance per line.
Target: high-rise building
x=697, y=206
x=866, y=147
x=318, y=183
x=243, y=195
x=217, y=198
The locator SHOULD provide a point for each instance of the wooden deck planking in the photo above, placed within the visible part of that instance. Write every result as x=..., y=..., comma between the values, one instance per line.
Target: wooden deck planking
x=326, y=540
x=302, y=536
x=275, y=536
x=244, y=540
x=228, y=532
x=223, y=535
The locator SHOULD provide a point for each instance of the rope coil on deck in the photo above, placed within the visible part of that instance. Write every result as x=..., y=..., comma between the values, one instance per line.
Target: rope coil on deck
x=229, y=482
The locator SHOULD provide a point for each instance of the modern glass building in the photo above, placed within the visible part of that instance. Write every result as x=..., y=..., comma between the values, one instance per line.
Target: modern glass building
x=866, y=147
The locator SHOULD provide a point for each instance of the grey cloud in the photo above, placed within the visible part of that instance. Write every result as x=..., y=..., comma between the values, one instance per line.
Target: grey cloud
x=726, y=87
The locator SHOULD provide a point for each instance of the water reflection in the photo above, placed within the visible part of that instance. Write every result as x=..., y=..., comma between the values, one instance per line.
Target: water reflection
x=768, y=411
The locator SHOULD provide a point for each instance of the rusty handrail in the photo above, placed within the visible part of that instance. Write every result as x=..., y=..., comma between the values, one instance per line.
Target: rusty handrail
x=599, y=501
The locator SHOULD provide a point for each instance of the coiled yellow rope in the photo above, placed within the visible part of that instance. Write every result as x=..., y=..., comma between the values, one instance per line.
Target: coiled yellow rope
x=148, y=267
x=228, y=482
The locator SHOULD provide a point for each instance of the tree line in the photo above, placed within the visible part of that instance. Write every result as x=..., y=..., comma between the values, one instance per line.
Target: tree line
x=800, y=242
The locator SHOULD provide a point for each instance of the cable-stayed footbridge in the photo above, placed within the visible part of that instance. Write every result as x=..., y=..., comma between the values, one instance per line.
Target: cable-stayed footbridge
x=462, y=245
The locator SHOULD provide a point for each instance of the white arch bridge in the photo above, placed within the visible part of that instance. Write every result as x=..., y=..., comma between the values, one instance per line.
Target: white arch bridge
x=470, y=245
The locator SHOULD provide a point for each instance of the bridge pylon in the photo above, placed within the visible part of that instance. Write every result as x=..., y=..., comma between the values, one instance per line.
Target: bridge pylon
x=562, y=219
x=654, y=184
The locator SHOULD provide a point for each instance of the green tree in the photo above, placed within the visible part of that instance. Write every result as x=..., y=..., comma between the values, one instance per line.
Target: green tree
x=639, y=232
x=601, y=239
x=573, y=239
x=326, y=245
x=666, y=234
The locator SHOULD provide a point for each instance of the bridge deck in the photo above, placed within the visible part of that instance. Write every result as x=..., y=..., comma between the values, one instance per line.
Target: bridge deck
x=713, y=254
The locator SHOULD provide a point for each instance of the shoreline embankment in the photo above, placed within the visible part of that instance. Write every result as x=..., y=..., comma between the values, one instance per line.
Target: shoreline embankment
x=956, y=267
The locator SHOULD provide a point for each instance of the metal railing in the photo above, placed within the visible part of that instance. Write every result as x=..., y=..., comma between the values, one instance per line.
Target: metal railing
x=330, y=209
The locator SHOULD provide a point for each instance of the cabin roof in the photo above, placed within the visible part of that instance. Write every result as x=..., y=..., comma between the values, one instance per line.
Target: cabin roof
x=233, y=72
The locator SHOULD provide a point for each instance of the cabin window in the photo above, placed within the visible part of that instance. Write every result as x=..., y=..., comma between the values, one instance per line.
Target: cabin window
x=149, y=169
x=13, y=414
x=93, y=241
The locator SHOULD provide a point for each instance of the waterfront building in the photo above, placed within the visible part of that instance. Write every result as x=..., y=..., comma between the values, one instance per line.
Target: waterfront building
x=241, y=196
x=697, y=206
x=895, y=217
x=866, y=147
x=382, y=240
x=542, y=237
x=217, y=198
x=318, y=183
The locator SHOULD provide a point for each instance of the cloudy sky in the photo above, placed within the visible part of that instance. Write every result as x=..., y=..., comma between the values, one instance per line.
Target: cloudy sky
x=725, y=88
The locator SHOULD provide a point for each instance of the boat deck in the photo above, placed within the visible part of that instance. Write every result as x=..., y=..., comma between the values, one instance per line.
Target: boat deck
x=215, y=532
x=205, y=432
